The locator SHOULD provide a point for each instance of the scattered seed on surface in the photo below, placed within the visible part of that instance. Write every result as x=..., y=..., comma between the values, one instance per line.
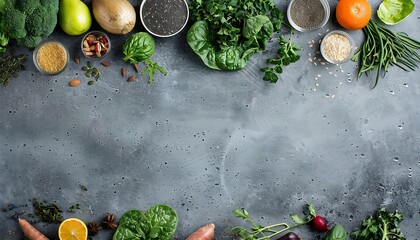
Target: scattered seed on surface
x=123, y=71
x=136, y=68
x=74, y=83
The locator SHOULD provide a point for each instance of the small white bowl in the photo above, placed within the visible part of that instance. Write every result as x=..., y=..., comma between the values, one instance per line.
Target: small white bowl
x=344, y=34
x=173, y=33
x=301, y=29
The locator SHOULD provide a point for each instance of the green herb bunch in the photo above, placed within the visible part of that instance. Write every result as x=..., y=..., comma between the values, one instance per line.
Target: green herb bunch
x=286, y=55
x=226, y=33
x=383, y=225
x=226, y=17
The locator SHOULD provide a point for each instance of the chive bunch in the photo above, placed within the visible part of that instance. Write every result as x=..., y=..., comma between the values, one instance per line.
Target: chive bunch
x=383, y=48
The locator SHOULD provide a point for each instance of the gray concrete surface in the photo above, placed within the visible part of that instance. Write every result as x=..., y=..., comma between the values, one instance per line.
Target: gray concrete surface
x=206, y=142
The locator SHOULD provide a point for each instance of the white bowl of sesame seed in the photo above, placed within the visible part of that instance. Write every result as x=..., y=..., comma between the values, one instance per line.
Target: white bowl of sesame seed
x=337, y=47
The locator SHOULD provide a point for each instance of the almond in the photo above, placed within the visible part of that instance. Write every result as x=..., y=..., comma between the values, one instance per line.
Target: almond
x=131, y=78
x=77, y=59
x=105, y=63
x=136, y=67
x=123, y=71
x=74, y=83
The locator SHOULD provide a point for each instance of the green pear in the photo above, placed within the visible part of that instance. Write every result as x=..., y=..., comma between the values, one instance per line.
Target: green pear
x=74, y=17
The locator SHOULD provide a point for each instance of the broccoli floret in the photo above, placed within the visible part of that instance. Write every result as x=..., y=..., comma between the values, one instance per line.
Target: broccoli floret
x=27, y=6
x=4, y=38
x=29, y=21
x=14, y=23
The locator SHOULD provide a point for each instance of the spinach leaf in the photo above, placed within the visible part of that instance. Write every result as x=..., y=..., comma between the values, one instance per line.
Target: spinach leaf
x=259, y=28
x=132, y=225
x=230, y=59
x=199, y=40
x=163, y=221
x=138, y=47
x=337, y=233
x=159, y=222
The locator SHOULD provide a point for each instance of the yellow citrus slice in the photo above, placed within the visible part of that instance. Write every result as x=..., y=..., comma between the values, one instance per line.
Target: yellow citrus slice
x=72, y=229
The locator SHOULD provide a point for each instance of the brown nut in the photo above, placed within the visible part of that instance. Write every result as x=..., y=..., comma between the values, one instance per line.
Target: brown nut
x=105, y=63
x=131, y=78
x=77, y=59
x=123, y=71
x=74, y=83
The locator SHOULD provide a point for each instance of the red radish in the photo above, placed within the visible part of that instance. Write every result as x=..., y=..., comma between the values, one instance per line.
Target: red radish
x=30, y=231
x=320, y=224
x=204, y=233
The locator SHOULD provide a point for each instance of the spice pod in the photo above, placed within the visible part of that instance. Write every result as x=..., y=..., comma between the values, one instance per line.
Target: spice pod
x=308, y=15
x=164, y=18
x=337, y=47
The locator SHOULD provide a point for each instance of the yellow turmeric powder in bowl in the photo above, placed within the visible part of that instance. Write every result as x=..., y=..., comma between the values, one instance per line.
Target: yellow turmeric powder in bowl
x=51, y=58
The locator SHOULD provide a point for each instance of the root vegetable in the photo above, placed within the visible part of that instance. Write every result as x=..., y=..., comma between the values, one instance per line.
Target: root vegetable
x=204, y=233
x=115, y=16
x=320, y=224
x=31, y=232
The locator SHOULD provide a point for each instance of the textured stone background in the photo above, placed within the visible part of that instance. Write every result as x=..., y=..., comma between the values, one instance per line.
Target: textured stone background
x=206, y=142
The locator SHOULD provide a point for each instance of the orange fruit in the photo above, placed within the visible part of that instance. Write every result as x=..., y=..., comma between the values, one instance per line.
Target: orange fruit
x=72, y=229
x=353, y=14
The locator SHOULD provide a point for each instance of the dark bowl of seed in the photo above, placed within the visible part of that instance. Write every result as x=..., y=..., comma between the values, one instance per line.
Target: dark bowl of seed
x=164, y=18
x=308, y=15
x=95, y=45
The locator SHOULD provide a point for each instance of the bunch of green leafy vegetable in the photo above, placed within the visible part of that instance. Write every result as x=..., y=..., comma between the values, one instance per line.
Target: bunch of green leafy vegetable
x=29, y=21
x=159, y=222
x=4, y=38
x=383, y=225
x=140, y=47
x=258, y=232
x=286, y=55
x=383, y=48
x=226, y=33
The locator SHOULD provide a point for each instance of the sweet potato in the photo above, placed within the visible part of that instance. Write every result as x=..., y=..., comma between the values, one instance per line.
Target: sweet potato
x=204, y=233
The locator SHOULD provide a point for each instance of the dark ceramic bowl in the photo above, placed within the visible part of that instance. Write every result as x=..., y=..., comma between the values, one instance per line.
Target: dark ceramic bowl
x=153, y=19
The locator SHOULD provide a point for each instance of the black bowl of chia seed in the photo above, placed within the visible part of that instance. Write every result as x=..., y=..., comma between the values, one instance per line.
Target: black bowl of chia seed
x=164, y=18
x=308, y=15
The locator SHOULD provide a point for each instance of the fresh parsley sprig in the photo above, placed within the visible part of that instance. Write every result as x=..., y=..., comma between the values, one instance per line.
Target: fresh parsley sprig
x=151, y=69
x=286, y=55
x=382, y=226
